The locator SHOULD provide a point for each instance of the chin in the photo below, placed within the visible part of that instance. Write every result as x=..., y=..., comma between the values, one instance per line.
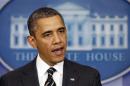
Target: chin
x=59, y=60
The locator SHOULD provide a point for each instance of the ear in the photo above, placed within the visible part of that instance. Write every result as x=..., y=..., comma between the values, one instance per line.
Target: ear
x=32, y=41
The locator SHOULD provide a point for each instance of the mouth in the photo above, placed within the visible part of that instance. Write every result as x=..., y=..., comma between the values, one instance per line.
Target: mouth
x=58, y=51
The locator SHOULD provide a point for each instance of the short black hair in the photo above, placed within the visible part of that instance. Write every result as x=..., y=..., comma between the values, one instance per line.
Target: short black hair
x=43, y=12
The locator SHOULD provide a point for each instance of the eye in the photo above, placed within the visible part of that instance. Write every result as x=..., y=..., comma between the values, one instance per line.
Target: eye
x=47, y=34
x=61, y=30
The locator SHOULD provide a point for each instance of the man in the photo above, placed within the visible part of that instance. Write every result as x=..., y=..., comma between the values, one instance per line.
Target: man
x=48, y=35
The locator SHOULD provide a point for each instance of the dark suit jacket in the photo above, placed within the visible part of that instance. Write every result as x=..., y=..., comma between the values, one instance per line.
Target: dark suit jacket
x=73, y=75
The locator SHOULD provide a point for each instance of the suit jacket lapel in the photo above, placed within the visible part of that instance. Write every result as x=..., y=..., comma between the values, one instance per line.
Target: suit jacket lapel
x=70, y=75
x=29, y=75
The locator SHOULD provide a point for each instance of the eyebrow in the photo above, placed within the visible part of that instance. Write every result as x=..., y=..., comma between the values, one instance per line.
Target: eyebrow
x=61, y=28
x=46, y=32
x=49, y=31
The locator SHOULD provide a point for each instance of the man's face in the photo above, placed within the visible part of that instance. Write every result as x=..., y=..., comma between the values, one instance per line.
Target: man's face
x=50, y=39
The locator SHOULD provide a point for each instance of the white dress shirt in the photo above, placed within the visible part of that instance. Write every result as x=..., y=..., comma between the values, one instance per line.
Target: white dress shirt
x=42, y=68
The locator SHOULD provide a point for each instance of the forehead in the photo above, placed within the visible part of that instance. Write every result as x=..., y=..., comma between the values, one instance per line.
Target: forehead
x=54, y=21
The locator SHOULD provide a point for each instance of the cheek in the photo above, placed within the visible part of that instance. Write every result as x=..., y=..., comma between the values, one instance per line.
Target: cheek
x=65, y=39
x=45, y=49
x=46, y=45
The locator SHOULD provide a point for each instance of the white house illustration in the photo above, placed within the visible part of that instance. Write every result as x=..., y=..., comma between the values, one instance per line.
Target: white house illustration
x=85, y=32
x=19, y=33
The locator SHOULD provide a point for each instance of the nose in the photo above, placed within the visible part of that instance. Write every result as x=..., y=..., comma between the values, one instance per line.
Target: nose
x=56, y=39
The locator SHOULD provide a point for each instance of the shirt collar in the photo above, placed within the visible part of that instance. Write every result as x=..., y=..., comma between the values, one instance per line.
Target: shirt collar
x=59, y=67
x=42, y=66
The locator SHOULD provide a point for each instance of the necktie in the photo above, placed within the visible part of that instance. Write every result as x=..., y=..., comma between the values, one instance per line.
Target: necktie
x=50, y=81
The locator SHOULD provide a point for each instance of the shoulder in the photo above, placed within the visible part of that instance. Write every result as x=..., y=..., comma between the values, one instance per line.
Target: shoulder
x=82, y=68
x=86, y=75
x=13, y=75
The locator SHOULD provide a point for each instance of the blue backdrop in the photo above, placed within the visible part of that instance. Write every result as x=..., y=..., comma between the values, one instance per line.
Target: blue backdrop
x=98, y=35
